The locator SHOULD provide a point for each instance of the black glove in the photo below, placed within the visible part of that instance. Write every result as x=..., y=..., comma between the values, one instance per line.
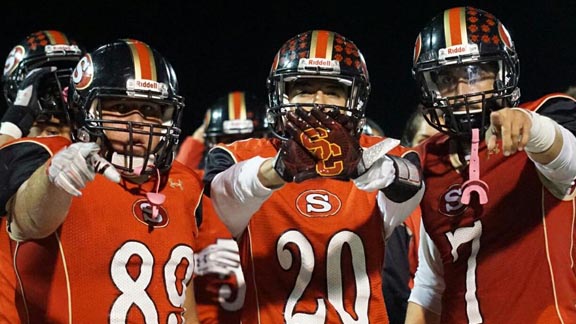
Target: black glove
x=25, y=108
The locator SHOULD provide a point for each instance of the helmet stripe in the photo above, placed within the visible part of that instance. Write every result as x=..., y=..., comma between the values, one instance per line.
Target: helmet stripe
x=455, y=26
x=236, y=105
x=321, y=44
x=504, y=35
x=144, y=65
x=56, y=37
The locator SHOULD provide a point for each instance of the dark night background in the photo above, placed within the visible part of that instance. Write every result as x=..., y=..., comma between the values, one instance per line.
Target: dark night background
x=218, y=46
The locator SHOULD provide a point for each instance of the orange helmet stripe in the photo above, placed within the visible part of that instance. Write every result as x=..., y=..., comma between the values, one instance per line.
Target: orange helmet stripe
x=321, y=44
x=144, y=65
x=56, y=37
x=236, y=105
x=455, y=26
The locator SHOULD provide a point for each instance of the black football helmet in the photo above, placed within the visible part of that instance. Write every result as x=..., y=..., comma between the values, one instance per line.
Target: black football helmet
x=126, y=69
x=39, y=49
x=237, y=115
x=468, y=39
x=318, y=54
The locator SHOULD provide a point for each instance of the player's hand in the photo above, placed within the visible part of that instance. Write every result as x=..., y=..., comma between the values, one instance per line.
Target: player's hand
x=294, y=163
x=72, y=167
x=25, y=108
x=336, y=151
x=512, y=127
x=218, y=259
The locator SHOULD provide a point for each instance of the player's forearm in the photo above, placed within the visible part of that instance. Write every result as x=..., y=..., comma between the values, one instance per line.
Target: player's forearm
x=416, y=314
x=38, y=208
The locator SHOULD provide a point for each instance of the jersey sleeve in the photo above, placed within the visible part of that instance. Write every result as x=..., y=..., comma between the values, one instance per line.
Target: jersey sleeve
x=17, y=163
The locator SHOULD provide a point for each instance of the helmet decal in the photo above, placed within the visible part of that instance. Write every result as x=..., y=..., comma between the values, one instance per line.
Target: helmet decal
x=144, y=66
x=504, y=35
x=321, y=44
x=145, y=74
x=46, y=37
x=455, y=27
x=13, y=60
x=83, y=73
x=417, y=48
x=236, y=105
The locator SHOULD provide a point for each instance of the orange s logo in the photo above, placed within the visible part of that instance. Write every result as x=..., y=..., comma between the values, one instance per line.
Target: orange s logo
x=316, y=143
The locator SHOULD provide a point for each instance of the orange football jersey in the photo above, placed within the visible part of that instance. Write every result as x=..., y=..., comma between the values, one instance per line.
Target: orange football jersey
x=111, y=260
x=314, y=251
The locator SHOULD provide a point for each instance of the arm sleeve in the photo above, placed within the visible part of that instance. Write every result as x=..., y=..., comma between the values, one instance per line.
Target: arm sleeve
x=561, y=172
x=429, y=281
x=396, y=212
x=234, y=188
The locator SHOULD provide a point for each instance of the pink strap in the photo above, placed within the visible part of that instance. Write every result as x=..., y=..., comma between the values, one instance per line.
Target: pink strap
x=474, y=183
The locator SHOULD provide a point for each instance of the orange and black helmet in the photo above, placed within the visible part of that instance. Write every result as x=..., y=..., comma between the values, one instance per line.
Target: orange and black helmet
x=318, y=54
x=237, y=115
x=40, y=49
x=466, y=38
x=126, y=69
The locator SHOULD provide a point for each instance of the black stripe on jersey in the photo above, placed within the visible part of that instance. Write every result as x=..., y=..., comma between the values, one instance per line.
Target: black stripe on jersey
x=17, y=163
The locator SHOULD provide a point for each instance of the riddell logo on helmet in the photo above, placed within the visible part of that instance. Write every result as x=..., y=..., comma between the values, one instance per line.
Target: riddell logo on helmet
x=62, y=49
x=457, y=50
x=314, y=64
x=146, y=85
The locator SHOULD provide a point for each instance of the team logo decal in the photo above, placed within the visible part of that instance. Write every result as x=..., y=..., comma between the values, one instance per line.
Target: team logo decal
x=318, y=203
x=450, y=204
x=14, y=58
x=83, y=73
x=142, y=210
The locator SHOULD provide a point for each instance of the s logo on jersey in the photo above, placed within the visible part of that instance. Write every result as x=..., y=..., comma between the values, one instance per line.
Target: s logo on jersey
x=450, y=204
x=318, y=203
x=142, y=210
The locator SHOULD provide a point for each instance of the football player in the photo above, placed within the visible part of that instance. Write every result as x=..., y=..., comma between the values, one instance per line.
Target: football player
x=311, y=206
x=101, y=229
x=498, y=211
